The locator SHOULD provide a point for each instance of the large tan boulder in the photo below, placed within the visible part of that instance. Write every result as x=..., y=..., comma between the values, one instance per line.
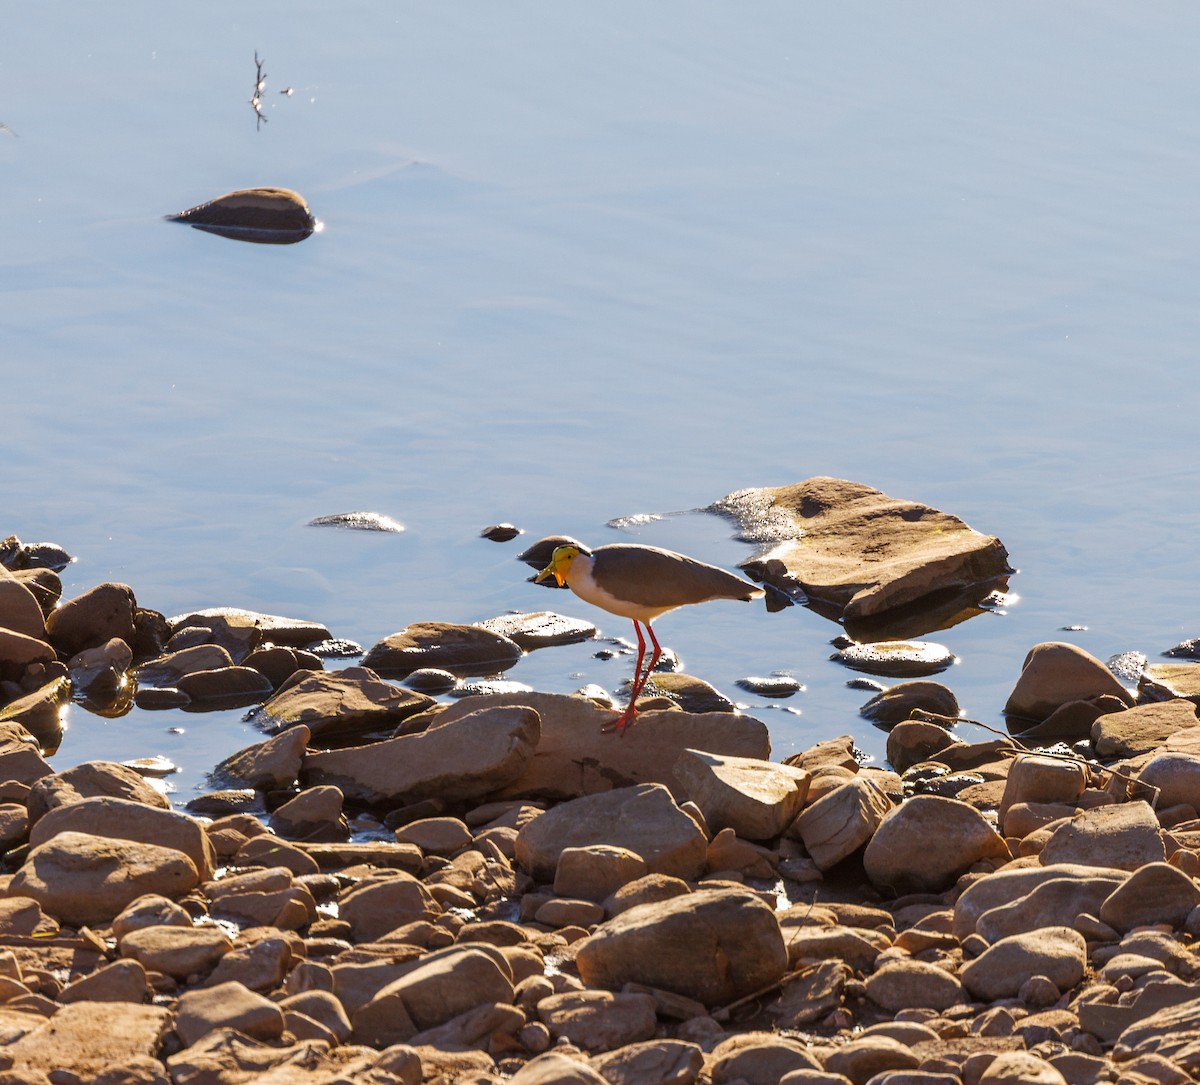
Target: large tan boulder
x=84, y=1039
x=92, y=779
x=273, y=765
x=227, y=1005
x=1125, y=835
x=756, y=799
x=643, y=819
x=840, y=821
x=461, y=649
x=1144, y=728
x=1054, y=674
x=92, y=618
x=460, y=758
x=925, y=843
x=19, y=610
x=1058, y=953
x=714, y=945
x=84, y=879
x=575, y=756
x=858, y=550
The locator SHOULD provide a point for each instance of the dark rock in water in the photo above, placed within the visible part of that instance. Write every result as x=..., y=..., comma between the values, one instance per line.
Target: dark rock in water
x=537, y=556
x=336, y=648
x=15, y=554
x=218, y=804
x=226, y=687
x=542, y=629
x=266, y=216
x=45, y=585
x=240, y=625
x=898, y=703
x=897, y=657
x=100, y=671
x=41, y=712
x=858, y=553
x=431, y=680
x=774, y=685
x=482, y=687
x=869, y=685
x=1186, y=649
x=501, y=532
x=465, y=650
x=1165, y=681
x=91, y=619
x=359, y=521
x=1128, y=666
x=150, y=698
x=690, y=693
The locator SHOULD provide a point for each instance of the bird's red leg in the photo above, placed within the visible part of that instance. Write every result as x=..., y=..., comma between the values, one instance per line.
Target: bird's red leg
x=626, y=717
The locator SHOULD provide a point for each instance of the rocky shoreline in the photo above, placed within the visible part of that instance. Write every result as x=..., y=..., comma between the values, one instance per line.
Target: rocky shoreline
x=391, y=889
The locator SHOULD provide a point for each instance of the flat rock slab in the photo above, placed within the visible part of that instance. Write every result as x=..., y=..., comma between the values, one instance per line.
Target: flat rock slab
x=464, y=650
x=1142, y=729
x=643, y=819
x=541, y=629
x=338, y=704
x=858, y=549
x=896, y=658
x=574, y=756
x=87, y=1038
x=466, y=756
x=294, y=632
x=1160, y=681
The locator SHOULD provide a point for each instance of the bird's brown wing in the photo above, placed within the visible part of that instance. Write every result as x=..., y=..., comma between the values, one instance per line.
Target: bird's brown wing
x=651, y=577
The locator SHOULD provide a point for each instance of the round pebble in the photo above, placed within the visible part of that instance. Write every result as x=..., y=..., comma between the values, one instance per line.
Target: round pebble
x=501, y=532
x=909, y=658
x=431, y=680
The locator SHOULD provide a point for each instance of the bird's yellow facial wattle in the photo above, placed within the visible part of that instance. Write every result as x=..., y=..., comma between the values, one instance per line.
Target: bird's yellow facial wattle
x=560, y=564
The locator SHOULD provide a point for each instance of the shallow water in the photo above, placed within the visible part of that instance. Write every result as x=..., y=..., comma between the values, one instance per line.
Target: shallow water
x=582, y=263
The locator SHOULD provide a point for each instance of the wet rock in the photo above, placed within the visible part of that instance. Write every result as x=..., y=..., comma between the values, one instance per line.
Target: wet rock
x=1126, y=836
x=897, y=703
x=856, y=548
x=16, y=555
x=900, y=859
x=896, y=658
x=1152, y=894
x=155, y=700
x=431, y=680
x=542, y=629
x=41, y=712
x=775, y=685
x=92, y=779
x=45, y=585
x=914, y=741
x=227, y=1005
x=1162, y=681
x=100, y=672
x=500, y=532
x=1055, y=673
x=757, y=799
x=166, y=670
x=124, y=819
x=464, y=758
x=840, y=822
x=574, y=756
x=91, y=619
x=465, y=650
x=19, y=608
x=644, y=819
x=264, y=216
x=85, y=1039
x=266, y=766
x=487, y=687
x=537, y=555
x=903, y=984
x=241, y=631
x=314, y=814
x=599, y=1020
x=338, y=705
x=358, y=521
x=1058, y=953
x=278, y=663
x=1142, y=729
x=443, y=985
x=88, y=879
x=225, y=687
x=692, y=694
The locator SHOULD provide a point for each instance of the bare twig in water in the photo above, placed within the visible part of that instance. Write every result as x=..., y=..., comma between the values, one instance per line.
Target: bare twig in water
x=260, y=85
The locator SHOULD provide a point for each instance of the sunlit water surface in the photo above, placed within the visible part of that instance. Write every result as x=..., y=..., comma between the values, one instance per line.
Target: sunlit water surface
x=586, y=261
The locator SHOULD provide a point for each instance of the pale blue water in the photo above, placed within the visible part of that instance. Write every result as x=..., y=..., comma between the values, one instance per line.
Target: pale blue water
x=580, y=262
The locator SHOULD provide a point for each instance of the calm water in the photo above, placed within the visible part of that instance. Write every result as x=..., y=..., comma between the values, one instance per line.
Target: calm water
x=581, y=262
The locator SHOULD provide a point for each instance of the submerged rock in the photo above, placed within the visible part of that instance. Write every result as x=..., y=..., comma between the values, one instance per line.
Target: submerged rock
x=542, y=629
x=860, y=552
x=358, y=521
x=265, y=216
x=896, y=658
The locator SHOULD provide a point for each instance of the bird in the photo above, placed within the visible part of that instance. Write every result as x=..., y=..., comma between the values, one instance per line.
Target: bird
x=641, y=583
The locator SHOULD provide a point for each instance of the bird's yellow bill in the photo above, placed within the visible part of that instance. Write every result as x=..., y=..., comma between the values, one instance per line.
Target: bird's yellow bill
x=550, y=570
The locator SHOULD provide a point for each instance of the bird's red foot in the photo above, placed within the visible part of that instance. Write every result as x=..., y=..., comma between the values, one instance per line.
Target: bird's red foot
x=618, y=726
